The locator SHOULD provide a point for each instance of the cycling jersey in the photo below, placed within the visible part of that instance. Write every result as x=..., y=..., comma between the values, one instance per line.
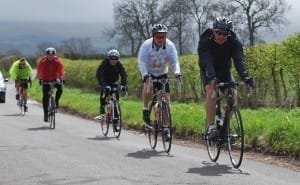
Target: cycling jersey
x=154, y=60
x=50, y=70
x=108, y=74
x=17, y=73
x=215, y=59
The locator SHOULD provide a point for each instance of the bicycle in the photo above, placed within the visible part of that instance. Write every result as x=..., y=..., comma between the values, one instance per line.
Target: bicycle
x=160, y=116
x=229, y=126
x=51, y=105
x=113, y=113
x=22, y=102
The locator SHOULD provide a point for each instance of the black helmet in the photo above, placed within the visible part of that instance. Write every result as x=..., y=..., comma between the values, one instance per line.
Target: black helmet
x=222, y=23
x=159, y=28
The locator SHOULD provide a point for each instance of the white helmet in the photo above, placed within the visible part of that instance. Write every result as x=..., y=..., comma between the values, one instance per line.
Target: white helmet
x=113, y=53
x=50, y=51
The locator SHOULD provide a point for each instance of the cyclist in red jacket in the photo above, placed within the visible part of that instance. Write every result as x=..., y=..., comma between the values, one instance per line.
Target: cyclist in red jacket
x=49, y=69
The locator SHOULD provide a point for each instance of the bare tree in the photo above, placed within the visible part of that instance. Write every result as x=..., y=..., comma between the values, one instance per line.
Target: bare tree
x=202, y=11
x=77, y=47
x=261, y=14
x=179, y=24
x=134, y=19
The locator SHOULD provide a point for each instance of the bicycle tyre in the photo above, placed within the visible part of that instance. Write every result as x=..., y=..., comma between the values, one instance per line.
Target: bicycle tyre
x=235, y=137
x=51, y=112
x=213, y=147
x=117, y=123
x=22, y=107
x=152, y=132
x=165, y=115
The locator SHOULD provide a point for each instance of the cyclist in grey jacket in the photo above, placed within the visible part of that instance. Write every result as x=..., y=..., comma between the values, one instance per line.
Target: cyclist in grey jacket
x=154, y=57
x=217, y=48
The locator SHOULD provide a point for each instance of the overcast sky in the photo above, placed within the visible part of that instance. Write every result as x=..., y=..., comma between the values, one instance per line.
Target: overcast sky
x=92, y=11
x=57, y=10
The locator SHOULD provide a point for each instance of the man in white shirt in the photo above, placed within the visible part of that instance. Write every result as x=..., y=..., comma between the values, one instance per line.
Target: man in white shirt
x=154, y=56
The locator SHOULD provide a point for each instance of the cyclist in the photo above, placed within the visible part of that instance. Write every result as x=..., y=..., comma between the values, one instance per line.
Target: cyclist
x=153, y=58
x=217, y=48
x=49, y=69
x=21, y=73
x=108, y=74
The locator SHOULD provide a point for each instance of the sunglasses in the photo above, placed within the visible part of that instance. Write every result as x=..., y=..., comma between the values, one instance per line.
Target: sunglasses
x=113, y=58
x=224, y=33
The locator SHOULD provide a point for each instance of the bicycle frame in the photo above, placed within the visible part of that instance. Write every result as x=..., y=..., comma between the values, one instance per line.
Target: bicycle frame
x=112, y=107
x=161, y=120
x=231, y=132
x=21, y=101
x=51, y=104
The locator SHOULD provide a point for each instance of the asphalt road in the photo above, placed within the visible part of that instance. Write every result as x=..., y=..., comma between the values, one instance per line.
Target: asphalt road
x=76, y=153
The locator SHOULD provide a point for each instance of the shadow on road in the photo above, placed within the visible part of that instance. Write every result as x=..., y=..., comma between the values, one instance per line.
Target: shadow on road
x=16, y=114
x=100, y=138
x=215, y=169
x=147, y=154
x=39, y=128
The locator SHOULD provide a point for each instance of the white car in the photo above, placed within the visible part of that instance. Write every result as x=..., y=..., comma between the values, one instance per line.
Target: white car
x=2, y=88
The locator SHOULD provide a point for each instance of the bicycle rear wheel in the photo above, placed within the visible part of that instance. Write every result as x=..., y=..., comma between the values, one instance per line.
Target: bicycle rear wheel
x=213, y=147
x=117, y=122
x=165, y=119
x=235, y=137
x=22, y=107
x=51, y=112
x=152, y=132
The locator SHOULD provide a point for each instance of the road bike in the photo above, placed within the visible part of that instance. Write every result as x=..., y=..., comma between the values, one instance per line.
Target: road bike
x=22, y=101
x=160, y=115
x=113, y=115
x=229, y=126
x=51, y=104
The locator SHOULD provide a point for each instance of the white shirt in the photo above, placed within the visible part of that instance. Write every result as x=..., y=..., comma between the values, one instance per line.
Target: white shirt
x=154, y=60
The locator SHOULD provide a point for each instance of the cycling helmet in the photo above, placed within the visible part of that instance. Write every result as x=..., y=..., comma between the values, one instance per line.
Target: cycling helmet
x=159, y=28
x=222, y=23
x=113, y=53
x=50, y=51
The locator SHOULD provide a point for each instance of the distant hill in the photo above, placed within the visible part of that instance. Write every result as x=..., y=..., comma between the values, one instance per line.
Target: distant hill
x=25, y=36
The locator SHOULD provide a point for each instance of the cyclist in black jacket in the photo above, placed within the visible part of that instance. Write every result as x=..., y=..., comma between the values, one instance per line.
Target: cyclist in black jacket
x=217, y=48
x=108, y=75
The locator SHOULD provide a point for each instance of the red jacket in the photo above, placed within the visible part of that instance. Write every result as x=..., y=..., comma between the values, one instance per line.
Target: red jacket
x=50, y=70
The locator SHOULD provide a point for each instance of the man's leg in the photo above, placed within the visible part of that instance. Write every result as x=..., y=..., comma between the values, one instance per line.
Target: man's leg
x=147, y=95
x=210, y=108
x=58, y=94
x=46, y=89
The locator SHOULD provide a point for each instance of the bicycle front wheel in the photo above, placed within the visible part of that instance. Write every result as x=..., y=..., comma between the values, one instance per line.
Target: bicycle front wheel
x=235, y=136
x=117, y=121
x=152, y=132
x=165, y=119
x=104, y=124
x=51, y=112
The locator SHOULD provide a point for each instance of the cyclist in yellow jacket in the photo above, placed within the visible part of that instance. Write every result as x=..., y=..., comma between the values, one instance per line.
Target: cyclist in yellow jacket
x=21, y=73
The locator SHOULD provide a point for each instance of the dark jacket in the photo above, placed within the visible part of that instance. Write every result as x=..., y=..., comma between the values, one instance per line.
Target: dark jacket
x=108, y=74
x=215, y=59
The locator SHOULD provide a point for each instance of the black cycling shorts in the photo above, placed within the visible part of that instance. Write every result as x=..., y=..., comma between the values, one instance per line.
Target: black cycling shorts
x=158, y=86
